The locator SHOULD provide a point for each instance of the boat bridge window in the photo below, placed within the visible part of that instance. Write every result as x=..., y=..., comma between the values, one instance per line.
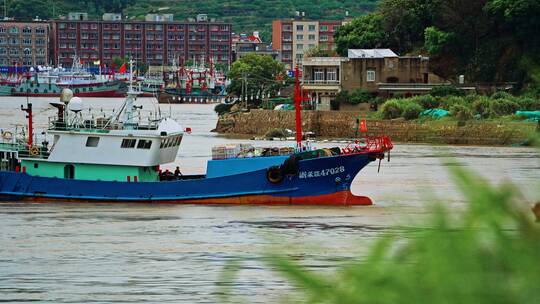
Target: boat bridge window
x=144, y=144
x=128, y=143
x=92, y=141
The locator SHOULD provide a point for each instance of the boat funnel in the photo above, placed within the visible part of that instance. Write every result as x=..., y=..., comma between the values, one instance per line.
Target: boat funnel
x=66, y=95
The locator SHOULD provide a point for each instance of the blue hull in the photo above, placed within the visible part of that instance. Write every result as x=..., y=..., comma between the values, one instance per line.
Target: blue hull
x=318, y=181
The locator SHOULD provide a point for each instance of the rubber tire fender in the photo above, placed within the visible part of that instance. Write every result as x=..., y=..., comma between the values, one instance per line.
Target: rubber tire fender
x=274, y=174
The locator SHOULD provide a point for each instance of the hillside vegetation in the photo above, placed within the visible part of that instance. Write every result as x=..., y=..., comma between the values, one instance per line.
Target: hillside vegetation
x=487, y=40
x=246, y=15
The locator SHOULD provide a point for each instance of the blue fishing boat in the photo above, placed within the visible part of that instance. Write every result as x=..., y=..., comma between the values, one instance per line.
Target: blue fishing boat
x=118, y=159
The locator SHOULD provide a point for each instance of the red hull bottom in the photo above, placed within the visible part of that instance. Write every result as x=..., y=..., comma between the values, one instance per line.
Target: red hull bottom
x=342, y=198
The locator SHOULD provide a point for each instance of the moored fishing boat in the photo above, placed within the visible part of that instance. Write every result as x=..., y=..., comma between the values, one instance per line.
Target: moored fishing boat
x=118, y=159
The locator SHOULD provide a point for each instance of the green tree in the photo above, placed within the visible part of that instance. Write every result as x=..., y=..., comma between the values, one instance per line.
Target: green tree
x=363, y=32
x=260, y=74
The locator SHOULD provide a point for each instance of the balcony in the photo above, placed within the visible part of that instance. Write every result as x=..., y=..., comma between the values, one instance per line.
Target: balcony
x=312, y=82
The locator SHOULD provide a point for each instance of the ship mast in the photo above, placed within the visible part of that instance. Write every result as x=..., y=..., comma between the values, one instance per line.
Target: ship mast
x=131, y=96
x=297, y=105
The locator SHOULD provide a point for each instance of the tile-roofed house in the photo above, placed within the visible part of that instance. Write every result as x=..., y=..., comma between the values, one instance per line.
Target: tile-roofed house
x=371, y=53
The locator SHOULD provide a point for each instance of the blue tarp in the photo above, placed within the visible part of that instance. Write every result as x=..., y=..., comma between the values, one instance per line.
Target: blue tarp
x=435, y=113
x=531, y=115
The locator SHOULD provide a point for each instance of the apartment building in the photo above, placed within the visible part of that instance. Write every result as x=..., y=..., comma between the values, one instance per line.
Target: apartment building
x=292, y=38
x=24, y=43
x=159, y=40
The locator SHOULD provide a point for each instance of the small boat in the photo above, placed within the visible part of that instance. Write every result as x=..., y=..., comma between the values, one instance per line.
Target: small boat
x=118, y=159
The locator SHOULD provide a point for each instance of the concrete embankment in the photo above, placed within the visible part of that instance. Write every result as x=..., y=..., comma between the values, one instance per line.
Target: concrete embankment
x=330, y=124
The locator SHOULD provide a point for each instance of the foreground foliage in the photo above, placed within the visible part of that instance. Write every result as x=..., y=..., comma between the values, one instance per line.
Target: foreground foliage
x=488, y=254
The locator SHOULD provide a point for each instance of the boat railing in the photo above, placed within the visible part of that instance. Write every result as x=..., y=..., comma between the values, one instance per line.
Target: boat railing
x=98, y=125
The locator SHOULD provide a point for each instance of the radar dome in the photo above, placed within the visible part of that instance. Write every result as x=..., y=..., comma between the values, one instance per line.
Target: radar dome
x=75, y=104
x=66, y=95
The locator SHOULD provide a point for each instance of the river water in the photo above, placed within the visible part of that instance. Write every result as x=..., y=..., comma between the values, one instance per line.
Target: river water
x=82, y=253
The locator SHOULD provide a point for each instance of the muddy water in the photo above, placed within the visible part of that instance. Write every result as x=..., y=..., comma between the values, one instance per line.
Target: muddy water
x=81, y=253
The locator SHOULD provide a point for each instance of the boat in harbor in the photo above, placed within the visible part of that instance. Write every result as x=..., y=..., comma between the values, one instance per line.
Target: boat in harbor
x=119, y=158
x=50, y=83
x=199, y=83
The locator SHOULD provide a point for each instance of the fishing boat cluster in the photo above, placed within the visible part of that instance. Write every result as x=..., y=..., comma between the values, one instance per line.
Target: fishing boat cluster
x=197, y=83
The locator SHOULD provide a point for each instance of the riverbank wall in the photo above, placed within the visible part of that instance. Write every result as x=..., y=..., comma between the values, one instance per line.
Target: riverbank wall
x=336, y=124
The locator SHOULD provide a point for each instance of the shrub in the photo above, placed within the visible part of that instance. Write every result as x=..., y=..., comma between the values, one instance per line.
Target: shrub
x=359, y=96
x=446, y=90
x=342, y=97
x=502, y=95
x=528, y=103
x=426, y=101
x=448, y=101
x=391, y=109
x=222, y=108
x=482, y=106
x=411, y=111
x=375, y=103
x=501, y=107
x=461, y=112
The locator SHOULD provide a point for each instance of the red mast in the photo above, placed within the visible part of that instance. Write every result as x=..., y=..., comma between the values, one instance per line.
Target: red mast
x=28, y=110
x=298, y=107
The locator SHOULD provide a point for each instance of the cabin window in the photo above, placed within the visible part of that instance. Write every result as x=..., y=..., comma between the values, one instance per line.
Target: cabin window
x=92, y=141
x=128, y=143
x=144, y=144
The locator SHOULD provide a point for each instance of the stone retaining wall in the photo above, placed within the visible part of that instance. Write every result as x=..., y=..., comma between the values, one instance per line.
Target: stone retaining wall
x=330, y=124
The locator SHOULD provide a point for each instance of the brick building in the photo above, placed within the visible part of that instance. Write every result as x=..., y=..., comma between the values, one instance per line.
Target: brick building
x=379, y=71
x=24, y=43
x=156, y=41
x=291, y=38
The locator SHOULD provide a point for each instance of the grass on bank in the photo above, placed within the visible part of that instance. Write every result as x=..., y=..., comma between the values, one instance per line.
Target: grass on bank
x=486, y=254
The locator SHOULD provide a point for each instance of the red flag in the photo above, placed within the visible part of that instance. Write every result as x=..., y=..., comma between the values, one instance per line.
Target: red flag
x=362, y=126
x=122, y=69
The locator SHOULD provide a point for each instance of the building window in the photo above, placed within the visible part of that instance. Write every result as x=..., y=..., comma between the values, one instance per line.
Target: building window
x=324, y=27
x=2, y=29
x=92, y=141
x=40, y=30
x=331, y=74
x=224, y=28
x=311, y=37
x=299, y=46
x=299, y=27
x=323, y=38
x=27, y=52
x=299, y=37
x=311, y=27
x=370, y=76
x=287, y=47
x=144, y=144
x=318, y=74
x=127, y=26
x=27, y=30
x=128, y=143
